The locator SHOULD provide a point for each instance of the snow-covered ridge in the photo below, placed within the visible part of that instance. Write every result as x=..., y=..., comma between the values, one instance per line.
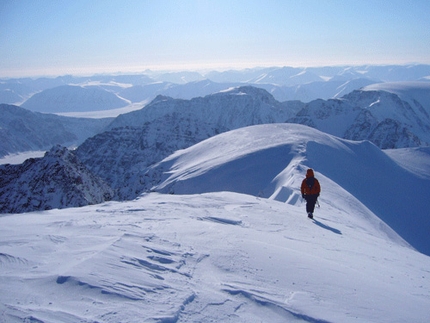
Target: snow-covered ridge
x=270, y=161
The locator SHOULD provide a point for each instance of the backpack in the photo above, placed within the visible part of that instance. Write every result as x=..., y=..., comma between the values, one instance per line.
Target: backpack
x=310, y=181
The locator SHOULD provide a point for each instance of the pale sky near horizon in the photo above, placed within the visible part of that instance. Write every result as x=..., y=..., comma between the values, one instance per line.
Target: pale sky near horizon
x=58, y=37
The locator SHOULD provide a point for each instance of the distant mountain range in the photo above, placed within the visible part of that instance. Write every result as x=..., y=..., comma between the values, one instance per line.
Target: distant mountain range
x=134, y=141
x=391, y=115
x=284, y=83
x=375, y=113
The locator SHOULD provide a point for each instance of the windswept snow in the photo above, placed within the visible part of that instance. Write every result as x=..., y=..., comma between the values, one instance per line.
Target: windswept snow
x=222, y=257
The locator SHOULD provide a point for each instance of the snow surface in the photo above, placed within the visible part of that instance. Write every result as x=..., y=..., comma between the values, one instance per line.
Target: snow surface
x=222, y=256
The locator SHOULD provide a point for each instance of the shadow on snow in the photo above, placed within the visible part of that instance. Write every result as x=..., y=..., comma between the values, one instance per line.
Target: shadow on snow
x=325, y=226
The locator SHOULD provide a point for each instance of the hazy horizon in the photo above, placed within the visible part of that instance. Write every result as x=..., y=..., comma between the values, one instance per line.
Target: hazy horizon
x=52, y=38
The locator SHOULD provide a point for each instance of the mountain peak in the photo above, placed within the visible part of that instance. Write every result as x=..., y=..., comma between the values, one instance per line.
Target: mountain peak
x=161, y=98
x=248, y=90
x=58, y=151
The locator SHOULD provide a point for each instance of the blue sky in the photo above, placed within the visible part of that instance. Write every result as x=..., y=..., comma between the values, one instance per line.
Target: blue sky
x=57, y=37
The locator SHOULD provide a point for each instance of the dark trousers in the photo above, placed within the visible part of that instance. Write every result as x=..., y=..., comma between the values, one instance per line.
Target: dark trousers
x=311, y=200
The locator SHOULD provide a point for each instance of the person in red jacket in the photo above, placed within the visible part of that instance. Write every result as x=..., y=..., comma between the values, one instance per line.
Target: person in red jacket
x=310, y=191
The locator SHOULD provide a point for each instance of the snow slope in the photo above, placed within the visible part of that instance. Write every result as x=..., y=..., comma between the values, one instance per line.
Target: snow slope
x=221, y=257
x=270, y=161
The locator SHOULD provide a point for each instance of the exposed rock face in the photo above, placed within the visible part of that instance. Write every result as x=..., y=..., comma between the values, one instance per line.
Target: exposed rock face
x=57, y=180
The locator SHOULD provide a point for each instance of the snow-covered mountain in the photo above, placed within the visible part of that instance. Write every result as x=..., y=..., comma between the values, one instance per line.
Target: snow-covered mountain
x=23, y=130
x=388, y=119
x=225, y=256
x=268, y=161
x=68, y=98
x=57, y=180
x=144, y=137
x=126, y=157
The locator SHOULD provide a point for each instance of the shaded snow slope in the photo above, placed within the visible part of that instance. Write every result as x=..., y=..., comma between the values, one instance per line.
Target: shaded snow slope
x=270, y=161
x=221, y=257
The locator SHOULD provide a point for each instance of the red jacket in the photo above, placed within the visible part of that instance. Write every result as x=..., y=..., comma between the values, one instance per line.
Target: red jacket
x=315, y=189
